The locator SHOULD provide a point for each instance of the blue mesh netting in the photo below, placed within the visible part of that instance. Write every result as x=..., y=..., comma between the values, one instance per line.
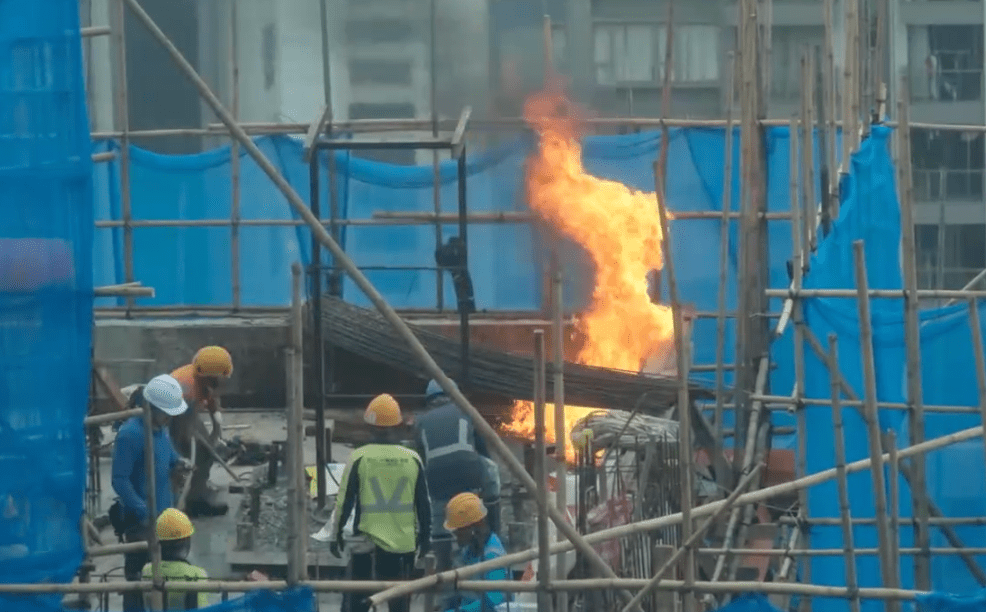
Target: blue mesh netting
x=45, y=292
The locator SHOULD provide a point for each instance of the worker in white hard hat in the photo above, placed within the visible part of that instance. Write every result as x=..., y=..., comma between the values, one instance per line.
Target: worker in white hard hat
x=130, y=514
x=384, y=484
x=466, y=518
x=456, y=461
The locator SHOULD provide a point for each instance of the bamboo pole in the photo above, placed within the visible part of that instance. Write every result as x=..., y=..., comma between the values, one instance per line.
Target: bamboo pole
x=828, y=85
x=122, y=113
x=436, y=186
x=723, y=475
x=295, y=404
x=150, y=481
x=870, y=412
x=912, y=335
x=976, y=521
x=895, y=294
x=976, y=331
x=364, y=586
x=540, y=472
x=686, y=455
x=655, y=581
x=848, y=544
x=319, y=233
x=808, y=142
x=894, y=479
x=234, y=154
x=561, y=441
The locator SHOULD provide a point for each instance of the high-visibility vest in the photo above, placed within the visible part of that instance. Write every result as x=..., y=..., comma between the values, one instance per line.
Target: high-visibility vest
x=388, y=478
x=176, y=571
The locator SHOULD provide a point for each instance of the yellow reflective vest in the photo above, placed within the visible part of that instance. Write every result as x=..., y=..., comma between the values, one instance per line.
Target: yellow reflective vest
x=385, y=485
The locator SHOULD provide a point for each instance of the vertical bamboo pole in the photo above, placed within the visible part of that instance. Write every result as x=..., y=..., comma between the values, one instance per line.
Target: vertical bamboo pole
x=912, y=336
x=722, y=468
x=870, y=410
x=880, y=57
x=807, y=203
x=436, y=189
x=850, y=102
x=848, y=545
x=234, y=154
x=808, y=142
x=561, y=436
x=681, y=346
x=118, y=18
x=829, y=87
x=540, y=473
x=976, y=331
x=894, y=481
x=293, y=445
x=152, y=509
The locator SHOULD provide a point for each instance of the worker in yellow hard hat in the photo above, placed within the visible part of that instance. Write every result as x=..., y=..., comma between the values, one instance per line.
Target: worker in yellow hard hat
x=465, y=517
x=200, y=385
x=384, y=485
x=174, y=532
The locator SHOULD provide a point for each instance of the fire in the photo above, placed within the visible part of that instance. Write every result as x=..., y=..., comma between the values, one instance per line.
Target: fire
x=620, y=229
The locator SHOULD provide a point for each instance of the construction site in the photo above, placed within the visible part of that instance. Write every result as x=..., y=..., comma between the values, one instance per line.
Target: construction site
x=697, y=338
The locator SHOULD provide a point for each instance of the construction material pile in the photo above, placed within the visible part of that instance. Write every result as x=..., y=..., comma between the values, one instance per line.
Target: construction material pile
x=632, y=429
x=368, y=334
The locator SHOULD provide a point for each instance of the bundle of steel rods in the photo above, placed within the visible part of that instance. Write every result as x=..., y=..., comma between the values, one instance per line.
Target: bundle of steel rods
x=367, y=334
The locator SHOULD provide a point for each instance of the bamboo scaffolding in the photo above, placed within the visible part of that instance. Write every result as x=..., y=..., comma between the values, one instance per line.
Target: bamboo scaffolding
x=975, y=329
x=234, y=154
x=561, y=462
x=541, y=472
x=890, y=443
x=323, y=237
x=840, y=466
x=297, y=493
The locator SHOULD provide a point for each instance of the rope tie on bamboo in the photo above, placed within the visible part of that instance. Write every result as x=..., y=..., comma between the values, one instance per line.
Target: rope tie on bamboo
x=852, y=592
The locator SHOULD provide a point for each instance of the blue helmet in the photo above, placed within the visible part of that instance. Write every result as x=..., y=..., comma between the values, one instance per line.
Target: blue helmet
x=434, y=389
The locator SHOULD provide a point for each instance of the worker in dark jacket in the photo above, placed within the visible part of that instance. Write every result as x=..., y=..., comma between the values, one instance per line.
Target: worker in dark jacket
x=456, y=461
x=131, y=515
x=384, y=485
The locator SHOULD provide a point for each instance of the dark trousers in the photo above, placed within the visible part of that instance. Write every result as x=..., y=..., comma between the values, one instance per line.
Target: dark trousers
x=133, y=566
x=378, y=565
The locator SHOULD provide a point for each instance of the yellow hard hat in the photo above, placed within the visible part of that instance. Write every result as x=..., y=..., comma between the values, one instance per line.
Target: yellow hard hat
x=173, y=524
x=463, y=510
x=383, y=411
x=213, y=361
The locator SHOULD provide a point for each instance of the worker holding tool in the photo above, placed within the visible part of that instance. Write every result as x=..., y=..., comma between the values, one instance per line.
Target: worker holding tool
x=384, y=484
x=129, y=514
x=456, y=461
x=200, y=383
x=174, y=532
x=465, y=516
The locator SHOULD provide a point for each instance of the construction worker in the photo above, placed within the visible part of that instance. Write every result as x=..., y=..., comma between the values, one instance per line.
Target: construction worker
x=174, y=532
x=130, y=514
x=200, y=383
x=384, y=484
x=456, y=461
x=465, y=516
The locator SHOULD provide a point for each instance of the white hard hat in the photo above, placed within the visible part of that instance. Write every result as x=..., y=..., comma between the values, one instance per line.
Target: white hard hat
x=165, y=394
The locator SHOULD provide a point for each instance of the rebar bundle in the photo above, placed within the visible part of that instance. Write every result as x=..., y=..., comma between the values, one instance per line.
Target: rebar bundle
x=367, y=334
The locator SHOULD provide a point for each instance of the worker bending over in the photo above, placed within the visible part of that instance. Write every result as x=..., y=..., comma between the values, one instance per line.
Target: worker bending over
x=174, y=532
x=130, y=514
x=384, y=484
x=465, y=517
x=200, y=384
x=456, y=461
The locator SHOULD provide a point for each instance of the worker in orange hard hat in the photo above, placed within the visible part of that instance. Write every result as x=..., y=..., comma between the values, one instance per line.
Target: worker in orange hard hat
x=174, y=532
x=465, y=517
x=384, y=484
x=200, y=385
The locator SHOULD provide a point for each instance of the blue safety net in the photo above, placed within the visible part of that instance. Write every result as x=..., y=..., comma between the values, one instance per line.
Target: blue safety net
x=870, y=212
x=942, y=602
x=45, y=292
x=750, y=602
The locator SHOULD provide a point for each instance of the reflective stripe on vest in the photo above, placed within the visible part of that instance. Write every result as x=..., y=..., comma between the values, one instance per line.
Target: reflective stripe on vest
x=461, y=445
x=381, y=504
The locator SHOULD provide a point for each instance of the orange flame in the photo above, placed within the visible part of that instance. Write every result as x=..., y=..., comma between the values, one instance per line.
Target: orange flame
x=620, y=229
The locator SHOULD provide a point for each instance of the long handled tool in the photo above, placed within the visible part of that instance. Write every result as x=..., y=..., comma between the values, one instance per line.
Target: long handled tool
x=188, y=477
x=201, y=437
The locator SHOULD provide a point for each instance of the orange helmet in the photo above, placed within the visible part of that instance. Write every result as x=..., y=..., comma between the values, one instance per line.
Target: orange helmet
x=173, y=524
x=213, y=361
x=383, y=411
x=463, y=510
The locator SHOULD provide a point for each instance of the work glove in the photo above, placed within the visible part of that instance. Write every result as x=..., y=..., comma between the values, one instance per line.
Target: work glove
x=337, y=547
x=424, y=548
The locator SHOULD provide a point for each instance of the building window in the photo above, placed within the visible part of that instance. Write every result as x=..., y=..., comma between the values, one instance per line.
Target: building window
x=380, y=72
x=559, y=48
x=949, y=257
x=378, y=31
x=947, y=165
x=787, y=46
x=634, y=53
x=946, y=62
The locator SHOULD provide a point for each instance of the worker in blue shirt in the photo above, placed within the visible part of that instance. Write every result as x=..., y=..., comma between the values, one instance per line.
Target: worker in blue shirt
x=130, y=514
x=465, y=517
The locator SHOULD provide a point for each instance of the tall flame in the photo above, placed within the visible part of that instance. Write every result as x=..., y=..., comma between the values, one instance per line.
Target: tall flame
x=620, y=229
